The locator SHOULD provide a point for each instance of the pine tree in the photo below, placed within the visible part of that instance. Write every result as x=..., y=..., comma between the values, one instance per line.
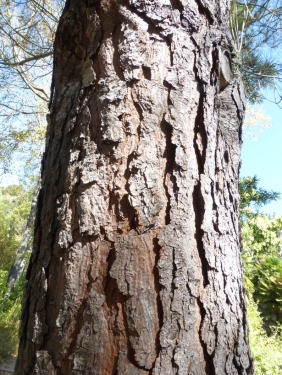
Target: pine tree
x=136, y=263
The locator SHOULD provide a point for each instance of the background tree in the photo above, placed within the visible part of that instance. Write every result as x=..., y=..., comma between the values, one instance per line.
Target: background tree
x=27, y=30
x=136, y=265
x=256, y=30
x=263, y=275
x=261, y=244
x=253, y=197
x=14, y=209
x=21, y=259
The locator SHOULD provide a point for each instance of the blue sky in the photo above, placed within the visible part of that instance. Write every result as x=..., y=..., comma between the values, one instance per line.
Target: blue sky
x=263, y=157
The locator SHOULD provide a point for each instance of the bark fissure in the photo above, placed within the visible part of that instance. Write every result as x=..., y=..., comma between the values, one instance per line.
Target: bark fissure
x=80, y=313
x=116, y=296
x=205, y=11
x=210, y=370
x=169, y=155
x=200, y=146
x=177, y=4
x=157, y=250
x=199, y=208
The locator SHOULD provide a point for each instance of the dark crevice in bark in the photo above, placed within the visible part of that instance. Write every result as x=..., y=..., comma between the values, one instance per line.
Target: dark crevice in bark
x=238, y=368
x=174, y=270
x=157, y=249
x=79, y=318
x=205, y=12
x=214, y=73
x=147, y=72
x=130, y=350
x=213, y=196
x=169, y=155
x=210, y=370
x=110, y=284
x=198, y=204
x=35, y=254
x=95, y=62
x=241, y=119
x=177, y=4
x=235, y=225
x=198, y=201
x=137, y=108
x=53, y=258
x=84, y=98
x=214, y=223
x=115, y=370
x=173, y=287
x=127, y=210
x=241, y=122
x=132, y=213
x=64, y=138
x=244, y=324
x=113, y=297
x=171, y=63
x=152, y=28
x=173, y=363
x=200, y=135
x=108, y=16
x=116, y=57
x=32, y=369
x=55, y=255
x=250, y=369
x=114, y=200
x=200, y=146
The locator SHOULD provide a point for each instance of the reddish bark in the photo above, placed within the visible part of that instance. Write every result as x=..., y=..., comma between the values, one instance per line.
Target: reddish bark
x=136, y=266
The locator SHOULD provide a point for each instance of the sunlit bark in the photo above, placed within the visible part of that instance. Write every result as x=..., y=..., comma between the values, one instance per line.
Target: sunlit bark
x=136, y=266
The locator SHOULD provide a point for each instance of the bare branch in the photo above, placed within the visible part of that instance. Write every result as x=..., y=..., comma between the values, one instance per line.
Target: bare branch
x=29, y=59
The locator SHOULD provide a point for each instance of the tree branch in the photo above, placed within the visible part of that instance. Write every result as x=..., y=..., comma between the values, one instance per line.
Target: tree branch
x=29, y=59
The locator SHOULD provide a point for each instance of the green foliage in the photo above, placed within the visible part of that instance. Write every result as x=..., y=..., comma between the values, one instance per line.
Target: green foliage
x=15, y=205
x=268, y=287
x=253, y=197
x=256, y=30
x=266, y=349
x=10, y=307
x=263, y=267
x=261, y=246
x=258, y=72
x=262, y=276
x=260, y=235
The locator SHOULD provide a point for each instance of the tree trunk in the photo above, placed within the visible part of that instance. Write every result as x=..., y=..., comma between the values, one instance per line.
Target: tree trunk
x=136, y=266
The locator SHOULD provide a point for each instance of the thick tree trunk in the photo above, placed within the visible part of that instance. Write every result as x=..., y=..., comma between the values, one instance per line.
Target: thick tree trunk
x=136, y=266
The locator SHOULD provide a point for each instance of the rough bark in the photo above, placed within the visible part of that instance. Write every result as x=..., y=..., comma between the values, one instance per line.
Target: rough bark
x=136, y=266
